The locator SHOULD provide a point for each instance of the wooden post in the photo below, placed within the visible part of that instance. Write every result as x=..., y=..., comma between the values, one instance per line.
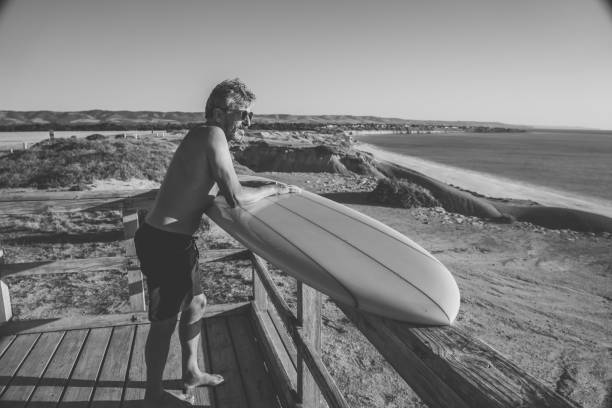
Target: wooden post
x=260, y=294
x=6, y=313
x=309, y=303
x=135, y=278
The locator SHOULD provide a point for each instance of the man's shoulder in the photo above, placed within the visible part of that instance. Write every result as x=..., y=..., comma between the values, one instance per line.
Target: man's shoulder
x=206, y=134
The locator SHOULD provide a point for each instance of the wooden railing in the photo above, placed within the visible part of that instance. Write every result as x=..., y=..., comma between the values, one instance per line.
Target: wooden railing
x=35, y=203
x=445, y=366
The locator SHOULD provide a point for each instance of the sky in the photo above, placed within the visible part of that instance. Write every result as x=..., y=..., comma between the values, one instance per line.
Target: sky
x=532, y=62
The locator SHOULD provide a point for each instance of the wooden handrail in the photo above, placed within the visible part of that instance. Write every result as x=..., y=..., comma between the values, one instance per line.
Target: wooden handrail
x=106, y=195
x=91, y=265
x=282, y=308
x=69, y=201
x=312, y=358
x=447, y=367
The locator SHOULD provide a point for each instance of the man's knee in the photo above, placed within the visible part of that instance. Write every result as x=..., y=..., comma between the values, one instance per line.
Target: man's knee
x=197, y=304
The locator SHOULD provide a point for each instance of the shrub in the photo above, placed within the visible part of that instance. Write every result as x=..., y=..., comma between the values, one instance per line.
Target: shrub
x=95, y=136
x=62, y=163
x=403, y=194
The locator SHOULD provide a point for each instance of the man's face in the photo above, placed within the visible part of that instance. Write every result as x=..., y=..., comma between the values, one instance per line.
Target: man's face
x=236, y=120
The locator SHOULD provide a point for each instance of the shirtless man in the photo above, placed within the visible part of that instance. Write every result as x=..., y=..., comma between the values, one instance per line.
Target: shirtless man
x=165, y=244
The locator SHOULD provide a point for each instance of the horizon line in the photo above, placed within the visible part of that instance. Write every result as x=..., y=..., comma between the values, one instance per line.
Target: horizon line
x=538, y=126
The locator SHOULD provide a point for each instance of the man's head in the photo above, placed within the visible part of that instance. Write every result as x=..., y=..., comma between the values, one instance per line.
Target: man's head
x=229, y=107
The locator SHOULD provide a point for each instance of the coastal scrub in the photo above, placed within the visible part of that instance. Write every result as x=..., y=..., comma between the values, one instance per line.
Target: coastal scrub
x=72, y=163
x=402, y=194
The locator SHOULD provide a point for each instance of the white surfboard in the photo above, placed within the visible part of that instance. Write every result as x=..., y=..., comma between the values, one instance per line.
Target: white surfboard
x=347, y=255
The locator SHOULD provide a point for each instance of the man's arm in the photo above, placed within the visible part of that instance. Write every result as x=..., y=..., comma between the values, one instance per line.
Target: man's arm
x=224, y=174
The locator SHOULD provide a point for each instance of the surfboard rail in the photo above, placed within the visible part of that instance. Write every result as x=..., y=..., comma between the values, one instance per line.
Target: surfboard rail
x=445, y=366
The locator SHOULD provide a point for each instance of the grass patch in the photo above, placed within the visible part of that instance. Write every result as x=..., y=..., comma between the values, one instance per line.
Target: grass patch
x=403, y=194
x=72, y=163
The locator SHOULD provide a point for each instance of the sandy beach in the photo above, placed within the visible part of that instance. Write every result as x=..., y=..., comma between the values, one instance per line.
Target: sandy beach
x=493, y=186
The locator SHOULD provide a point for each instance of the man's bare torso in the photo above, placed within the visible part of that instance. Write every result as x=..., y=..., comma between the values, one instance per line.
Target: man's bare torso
x=186, y=190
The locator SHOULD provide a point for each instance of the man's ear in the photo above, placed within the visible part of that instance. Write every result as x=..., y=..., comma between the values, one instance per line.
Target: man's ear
x=218, y=115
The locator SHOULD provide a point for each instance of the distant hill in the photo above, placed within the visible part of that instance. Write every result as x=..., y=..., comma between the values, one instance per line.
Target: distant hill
x=123, y=120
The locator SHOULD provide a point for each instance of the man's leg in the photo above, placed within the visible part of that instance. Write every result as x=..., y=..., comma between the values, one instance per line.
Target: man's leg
x=156, y=354
x=189, y=334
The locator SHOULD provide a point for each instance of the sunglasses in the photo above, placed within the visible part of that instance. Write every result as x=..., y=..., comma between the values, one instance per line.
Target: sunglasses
x=244, y=114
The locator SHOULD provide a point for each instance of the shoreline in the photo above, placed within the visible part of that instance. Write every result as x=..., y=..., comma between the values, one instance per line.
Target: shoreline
x=490, y=185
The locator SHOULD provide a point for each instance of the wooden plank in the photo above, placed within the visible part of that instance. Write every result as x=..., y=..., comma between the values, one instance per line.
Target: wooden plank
x=83, y=379
x=275, y=297
x=204, y=396
x=5, y=342
x=135, y=279
x=257, y=379
x=70, y=201
x=172, y=377
x=55, y=378
x=96, y=321
x=447, y=367
x=312, y=357
x=41, y=207
x=130, y=223
x=309, y=315
x=25, y=380
x=223, y=361
x=313, y=360
x=72, y=323
x=142, y=201
x=209, y=255
x=323, y=379
x=18, y=198
x=109, y=387
x=6, y=311
x=430, y=388
x=260, y=295
x=284, y=383
x=137, y=376
x=286, y=343
x=136, y=290
x=86, y=265
x=13, y=357
x=109, y=263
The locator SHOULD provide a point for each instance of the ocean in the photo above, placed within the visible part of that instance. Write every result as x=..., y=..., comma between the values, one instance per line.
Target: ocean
x=568, y=160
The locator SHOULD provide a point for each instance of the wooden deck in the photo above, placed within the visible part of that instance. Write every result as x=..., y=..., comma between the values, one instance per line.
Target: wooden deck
x=101, y=363
x=269, y=356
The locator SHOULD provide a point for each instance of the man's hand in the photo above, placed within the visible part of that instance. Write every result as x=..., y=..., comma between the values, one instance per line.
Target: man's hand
x=288, y=189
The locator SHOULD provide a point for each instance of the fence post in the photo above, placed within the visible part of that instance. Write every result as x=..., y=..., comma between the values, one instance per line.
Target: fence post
x=6, y=313
x=309, y=303
x=135, y=278
x=260, y=294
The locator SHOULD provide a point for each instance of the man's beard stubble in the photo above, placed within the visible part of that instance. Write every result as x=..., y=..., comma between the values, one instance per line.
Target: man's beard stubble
x=235, y=134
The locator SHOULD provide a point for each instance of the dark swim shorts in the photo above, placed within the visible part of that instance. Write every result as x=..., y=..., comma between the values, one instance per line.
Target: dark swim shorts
x=170, y=263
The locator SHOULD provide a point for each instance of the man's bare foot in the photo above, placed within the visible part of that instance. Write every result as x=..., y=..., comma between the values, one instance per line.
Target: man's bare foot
x=168, y=399
x=201, y=379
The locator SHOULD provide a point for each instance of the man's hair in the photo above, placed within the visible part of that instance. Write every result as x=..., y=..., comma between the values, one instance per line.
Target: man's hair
x=227, y=93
